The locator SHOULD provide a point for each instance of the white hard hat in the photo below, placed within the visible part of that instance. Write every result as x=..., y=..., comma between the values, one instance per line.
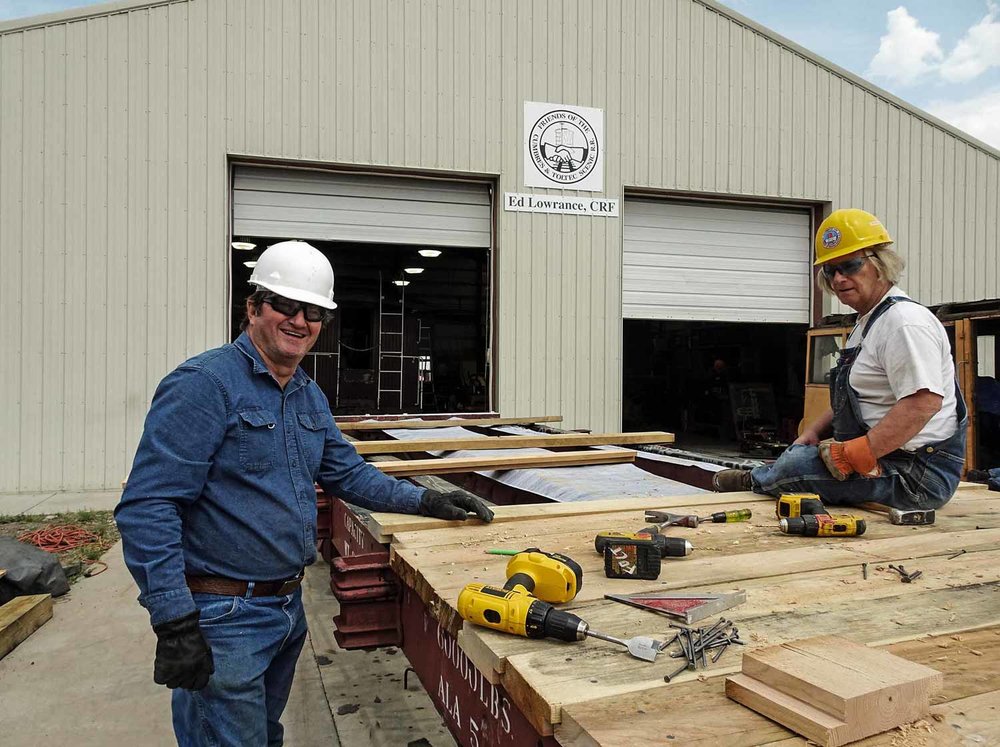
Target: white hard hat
x=296, y=270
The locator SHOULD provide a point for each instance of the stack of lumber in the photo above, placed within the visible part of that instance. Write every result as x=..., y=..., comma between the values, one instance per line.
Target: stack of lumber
x=440, y=466
x=594, y=693
x=832, y=690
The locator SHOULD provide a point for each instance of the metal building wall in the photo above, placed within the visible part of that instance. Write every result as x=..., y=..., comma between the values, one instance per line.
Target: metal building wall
x=116, y=122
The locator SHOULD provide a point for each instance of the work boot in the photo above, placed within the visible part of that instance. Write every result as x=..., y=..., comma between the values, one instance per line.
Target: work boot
x=732, y=481
x=978, y=475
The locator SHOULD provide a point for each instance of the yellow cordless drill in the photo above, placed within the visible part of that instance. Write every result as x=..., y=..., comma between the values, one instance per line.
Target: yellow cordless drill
x=522, y=606
x=823, y=525
x=791, y=505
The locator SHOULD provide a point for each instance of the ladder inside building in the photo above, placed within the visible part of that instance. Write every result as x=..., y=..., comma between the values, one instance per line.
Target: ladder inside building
x=390, y=350
x=425, y=379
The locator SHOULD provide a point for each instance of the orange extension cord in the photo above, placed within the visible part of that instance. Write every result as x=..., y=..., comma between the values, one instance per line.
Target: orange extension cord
x=58, y=539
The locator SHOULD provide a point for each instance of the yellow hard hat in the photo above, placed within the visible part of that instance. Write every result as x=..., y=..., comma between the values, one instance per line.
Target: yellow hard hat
x=846, y=231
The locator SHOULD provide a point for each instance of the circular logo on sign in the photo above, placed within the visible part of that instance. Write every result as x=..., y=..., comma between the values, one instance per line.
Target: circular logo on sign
x=831, y=237
x=563, y=146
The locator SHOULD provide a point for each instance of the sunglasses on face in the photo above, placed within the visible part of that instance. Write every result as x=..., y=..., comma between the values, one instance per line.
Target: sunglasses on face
x=847, y=268
x=290, y=308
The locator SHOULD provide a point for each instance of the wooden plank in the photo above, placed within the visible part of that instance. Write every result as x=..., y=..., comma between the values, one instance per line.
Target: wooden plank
x=390, y=525
x=437, y=571
x=543, y=682
x=833, y=690
x=676, y=712
x=543, y=441
x=386, y=526
x=445, y=423
x=965, y=363
x=772, y=601
x=534, y=461
x=21, y=617
x=437, y=585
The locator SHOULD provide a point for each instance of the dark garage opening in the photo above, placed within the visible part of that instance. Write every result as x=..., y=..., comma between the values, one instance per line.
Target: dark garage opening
x=721, y=387
x=399, y=341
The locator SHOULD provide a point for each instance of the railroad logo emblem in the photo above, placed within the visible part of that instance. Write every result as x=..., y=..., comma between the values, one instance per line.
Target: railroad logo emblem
x=563, y=147
x=831, y=237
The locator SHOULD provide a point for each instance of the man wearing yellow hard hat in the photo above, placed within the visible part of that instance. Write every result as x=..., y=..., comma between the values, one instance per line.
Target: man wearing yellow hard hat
x=895, y=432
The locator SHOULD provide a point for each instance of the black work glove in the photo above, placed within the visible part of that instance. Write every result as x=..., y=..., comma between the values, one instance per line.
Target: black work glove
x=453, y=506
x=183, y=657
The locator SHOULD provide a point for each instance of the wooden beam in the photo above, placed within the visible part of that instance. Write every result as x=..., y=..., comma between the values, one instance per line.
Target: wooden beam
x=21, y=617
x=470, y=464
x=385, y=526
x=380, y=425
x=965, y=362
x=514, y=442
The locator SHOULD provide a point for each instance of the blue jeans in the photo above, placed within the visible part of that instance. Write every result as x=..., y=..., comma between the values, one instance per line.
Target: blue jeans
x=907, y=482
x=255, y=644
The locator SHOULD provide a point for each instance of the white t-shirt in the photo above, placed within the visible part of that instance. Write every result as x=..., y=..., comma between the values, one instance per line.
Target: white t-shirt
x=906, y=350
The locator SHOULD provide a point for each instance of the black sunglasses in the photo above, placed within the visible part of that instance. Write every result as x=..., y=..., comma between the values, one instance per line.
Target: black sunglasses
x=846, y=268
x=290, y=308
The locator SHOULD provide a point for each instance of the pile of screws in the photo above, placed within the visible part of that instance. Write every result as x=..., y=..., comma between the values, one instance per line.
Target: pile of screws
x=906, y=576
x=696, y=643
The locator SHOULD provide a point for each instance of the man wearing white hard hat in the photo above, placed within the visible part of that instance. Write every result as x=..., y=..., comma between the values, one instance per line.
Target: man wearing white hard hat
x=218, y=517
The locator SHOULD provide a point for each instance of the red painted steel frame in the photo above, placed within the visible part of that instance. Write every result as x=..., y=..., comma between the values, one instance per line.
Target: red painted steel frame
x=477, y=713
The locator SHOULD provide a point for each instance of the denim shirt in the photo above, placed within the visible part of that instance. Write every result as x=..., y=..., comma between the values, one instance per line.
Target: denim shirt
x=223, y=478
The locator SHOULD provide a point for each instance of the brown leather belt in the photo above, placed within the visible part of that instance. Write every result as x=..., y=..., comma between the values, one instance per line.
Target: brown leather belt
x=232, y=588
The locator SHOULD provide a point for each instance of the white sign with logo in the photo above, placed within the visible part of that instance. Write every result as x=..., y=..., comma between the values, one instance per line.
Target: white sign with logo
x=563, y=146
x=524, y=203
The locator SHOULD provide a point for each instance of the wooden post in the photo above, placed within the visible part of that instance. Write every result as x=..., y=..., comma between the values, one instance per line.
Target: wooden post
x=965, y=362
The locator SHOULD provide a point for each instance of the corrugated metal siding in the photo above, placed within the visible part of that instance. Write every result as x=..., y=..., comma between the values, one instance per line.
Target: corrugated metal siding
x=114, y=131
x=710, y=263
x=327, y=206
x=744, y=115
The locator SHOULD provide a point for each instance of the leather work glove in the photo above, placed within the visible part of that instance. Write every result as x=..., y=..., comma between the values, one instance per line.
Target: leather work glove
x=454, y=505
x=183, y=657
x=844, y=458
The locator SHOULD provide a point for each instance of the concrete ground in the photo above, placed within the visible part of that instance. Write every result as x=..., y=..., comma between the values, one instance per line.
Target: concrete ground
x=85, y=677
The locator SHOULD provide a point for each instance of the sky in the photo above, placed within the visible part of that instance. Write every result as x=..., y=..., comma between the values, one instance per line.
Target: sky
x=942, y=56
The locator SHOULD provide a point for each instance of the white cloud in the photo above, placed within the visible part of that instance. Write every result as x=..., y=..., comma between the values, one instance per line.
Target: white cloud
x=907, y=51
x=979, y=116
x=976, y=52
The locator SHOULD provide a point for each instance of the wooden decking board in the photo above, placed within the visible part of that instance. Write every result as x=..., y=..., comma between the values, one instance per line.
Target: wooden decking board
x=448, y=423
x=545, y=679
x=388, y=526
x=402, y=527
x=574, y=534
x=451, y=570
x=679, y=710
x=531, y=461
x=796, y=587
x=770, y=603
x=544, y=441
x=570, y=532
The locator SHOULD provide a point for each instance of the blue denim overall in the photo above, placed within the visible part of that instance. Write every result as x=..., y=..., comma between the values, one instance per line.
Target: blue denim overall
x=925, y=478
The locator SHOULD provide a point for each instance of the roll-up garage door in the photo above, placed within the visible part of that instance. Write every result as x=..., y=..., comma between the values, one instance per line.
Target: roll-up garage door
x=714, y=263
x=303, y=204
